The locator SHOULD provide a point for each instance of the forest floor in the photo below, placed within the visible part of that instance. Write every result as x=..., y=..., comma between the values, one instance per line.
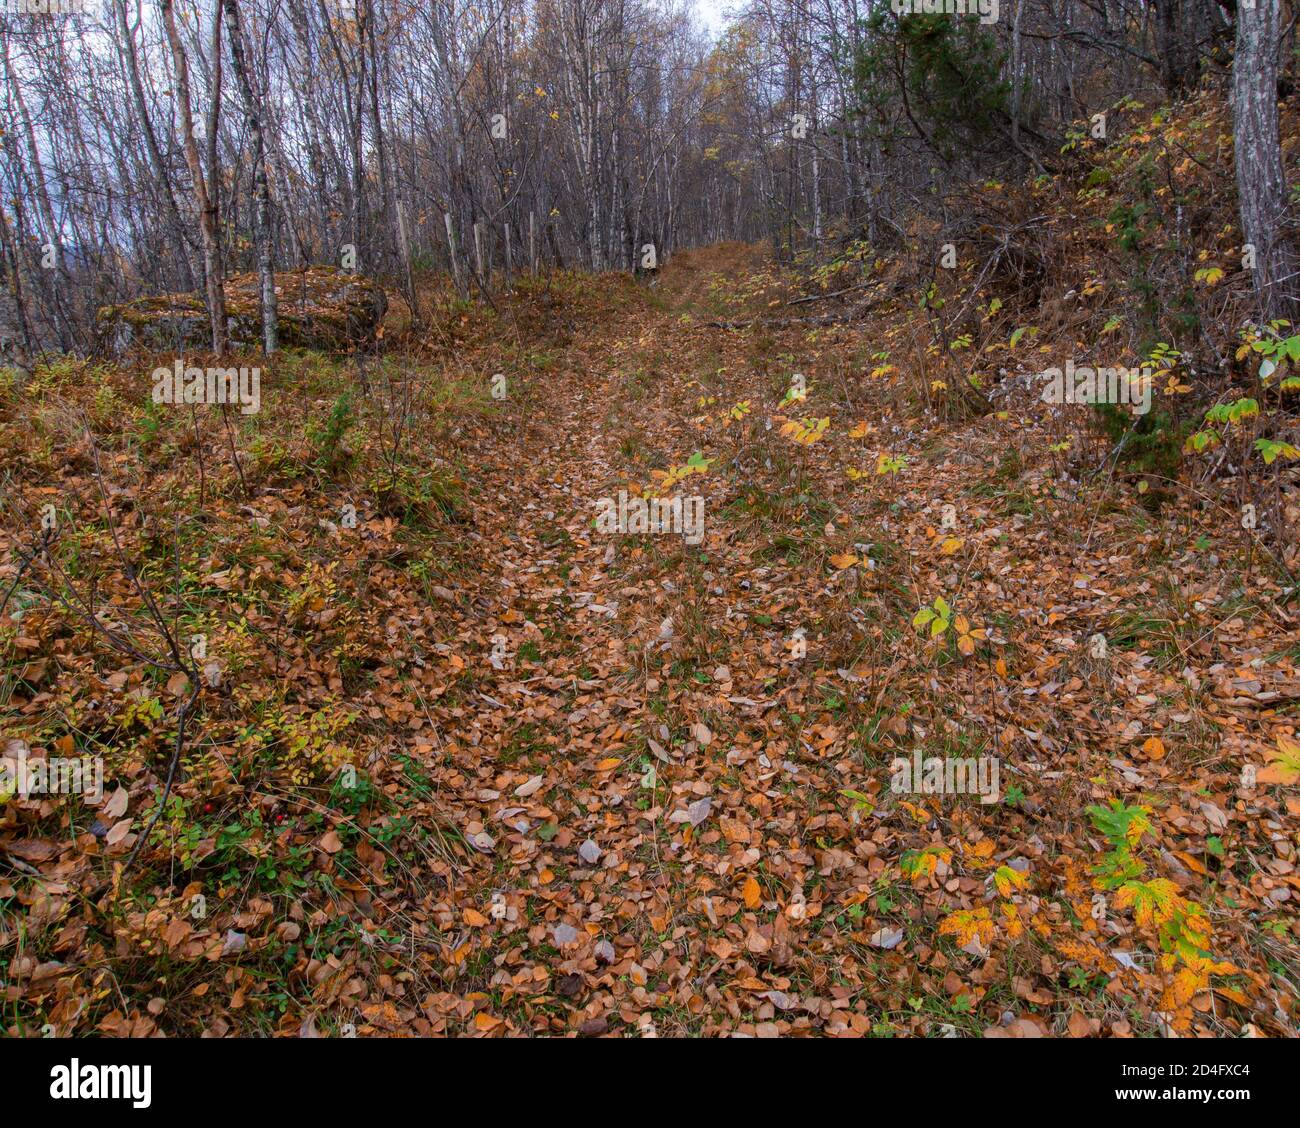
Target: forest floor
x=475, y=766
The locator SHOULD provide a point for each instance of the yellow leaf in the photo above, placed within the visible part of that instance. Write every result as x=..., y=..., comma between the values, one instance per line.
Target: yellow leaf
x=920, y=814
x=752, y=893
x=1186, y=983
x=844, y=560
x=1011, y=915
x=1007, y=880
x=606, y=765
x=1153, y=902
x=981, y=854
x=1154, y=748
x=1189, y=861
x=967, y=925
x=1285, y=765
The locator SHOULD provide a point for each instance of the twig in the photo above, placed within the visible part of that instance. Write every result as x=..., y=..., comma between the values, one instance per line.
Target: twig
x=835, y=293
x=824, y=319
x=181, y=718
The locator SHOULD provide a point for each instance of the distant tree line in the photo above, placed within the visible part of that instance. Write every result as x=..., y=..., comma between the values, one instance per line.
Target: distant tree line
x=162, y=145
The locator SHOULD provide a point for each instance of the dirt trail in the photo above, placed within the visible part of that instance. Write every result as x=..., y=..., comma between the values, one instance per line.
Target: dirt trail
x=689, y=817
x=574, y=709
x=620, y=793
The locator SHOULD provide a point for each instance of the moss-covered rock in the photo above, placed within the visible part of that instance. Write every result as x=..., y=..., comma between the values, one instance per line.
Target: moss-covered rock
x=320, y=307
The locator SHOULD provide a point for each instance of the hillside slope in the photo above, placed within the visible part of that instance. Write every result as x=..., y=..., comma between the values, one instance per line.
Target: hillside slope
x=458, y=761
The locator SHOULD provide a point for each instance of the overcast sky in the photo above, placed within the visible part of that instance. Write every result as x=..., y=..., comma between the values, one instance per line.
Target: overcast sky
x=711, y=13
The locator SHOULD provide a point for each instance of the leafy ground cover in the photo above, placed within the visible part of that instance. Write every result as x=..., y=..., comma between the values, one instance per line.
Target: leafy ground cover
x=455, y=761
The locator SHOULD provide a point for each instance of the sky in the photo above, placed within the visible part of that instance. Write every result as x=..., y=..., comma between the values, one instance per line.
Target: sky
x=711, y=13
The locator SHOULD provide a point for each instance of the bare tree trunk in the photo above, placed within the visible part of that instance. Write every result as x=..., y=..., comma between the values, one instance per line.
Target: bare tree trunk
x=206, y=204
x=126, y=50
x=1016, y=81
x=36, y=177
x=261, y=193
x=17, y=354
x=462, y=287
x=1174, y=45
x=1261, y=185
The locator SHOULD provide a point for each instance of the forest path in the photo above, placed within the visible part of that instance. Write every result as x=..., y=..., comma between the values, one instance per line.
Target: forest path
x=679, y=769
x=599, y=723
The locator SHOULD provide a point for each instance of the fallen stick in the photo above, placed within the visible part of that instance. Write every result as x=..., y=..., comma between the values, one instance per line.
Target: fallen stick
x=835, y=293
x=823, y=319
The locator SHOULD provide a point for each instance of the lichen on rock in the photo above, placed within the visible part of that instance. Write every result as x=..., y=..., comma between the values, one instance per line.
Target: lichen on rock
x=320, y=307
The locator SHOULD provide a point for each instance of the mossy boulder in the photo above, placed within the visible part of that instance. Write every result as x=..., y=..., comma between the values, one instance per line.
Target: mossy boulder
x=320, y=307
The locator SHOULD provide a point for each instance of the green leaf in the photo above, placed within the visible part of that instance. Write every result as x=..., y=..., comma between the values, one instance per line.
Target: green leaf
x=1121, y=824
x=1270, y=449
